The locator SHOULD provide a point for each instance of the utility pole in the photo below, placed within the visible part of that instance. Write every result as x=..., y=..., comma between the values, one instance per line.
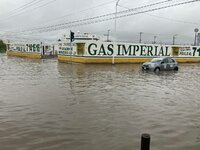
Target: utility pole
x=113, y=57
x=198, y=39
x=174, y=37
x=107, y=35
x=140, y=37
x=154, y=39
x=195, y=36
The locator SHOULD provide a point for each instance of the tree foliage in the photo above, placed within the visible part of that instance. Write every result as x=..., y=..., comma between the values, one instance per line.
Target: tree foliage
x=2, y=46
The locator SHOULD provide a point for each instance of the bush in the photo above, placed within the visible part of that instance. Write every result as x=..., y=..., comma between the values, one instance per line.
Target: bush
x=2, y=47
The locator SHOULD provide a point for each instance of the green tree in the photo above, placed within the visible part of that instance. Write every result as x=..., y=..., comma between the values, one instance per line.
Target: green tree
x=2, y=47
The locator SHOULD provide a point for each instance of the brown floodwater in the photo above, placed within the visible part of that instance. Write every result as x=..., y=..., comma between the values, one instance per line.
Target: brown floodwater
x=46, y=105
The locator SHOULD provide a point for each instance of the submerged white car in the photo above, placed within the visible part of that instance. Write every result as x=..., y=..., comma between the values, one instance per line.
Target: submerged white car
x=158, y=64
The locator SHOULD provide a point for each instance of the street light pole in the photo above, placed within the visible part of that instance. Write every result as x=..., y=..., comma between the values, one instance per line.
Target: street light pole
x=113, y=58
x=116, y=18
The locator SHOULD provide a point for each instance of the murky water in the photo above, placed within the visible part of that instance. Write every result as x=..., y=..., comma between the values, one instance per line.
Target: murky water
x=46, y=105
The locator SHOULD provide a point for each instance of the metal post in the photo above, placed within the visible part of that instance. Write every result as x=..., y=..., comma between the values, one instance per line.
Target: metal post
x=145, y=141
x=70, y=51
x=70, y=47
x=113, y=58
x=41, y=49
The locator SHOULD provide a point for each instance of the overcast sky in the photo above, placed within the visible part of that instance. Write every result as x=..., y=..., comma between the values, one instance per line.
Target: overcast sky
x=19, y=15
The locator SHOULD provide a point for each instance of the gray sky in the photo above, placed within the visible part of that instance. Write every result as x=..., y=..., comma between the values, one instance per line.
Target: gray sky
x=20, y=15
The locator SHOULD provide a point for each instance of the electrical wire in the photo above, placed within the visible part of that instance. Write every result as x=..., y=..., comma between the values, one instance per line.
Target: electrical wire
x=97, y=17
x=102, y=18
x=78, y=12
x=22, y=11
x=19, y=8
x=165, y=18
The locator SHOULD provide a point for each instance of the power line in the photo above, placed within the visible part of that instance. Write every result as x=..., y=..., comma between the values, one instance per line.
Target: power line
x=19, y=8
x=98, y=6
x=105, y=17
x=165, y=18
x=78, y=12
x=22, y=11
x=174, y=20
x=101, y=18
x=81, y=11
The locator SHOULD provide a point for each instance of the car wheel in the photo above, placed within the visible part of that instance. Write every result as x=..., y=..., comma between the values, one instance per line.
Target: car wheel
x=157, y=69
x=176, y=69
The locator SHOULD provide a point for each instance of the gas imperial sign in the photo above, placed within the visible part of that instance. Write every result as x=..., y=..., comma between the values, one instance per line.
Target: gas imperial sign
x=125, y=49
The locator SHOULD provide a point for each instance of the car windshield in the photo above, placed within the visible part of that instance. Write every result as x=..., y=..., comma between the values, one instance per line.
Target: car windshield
x=156, y=60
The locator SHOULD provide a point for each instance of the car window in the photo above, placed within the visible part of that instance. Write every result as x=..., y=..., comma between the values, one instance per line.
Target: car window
x=165, y=60
x=156, y=60
x=171, y=61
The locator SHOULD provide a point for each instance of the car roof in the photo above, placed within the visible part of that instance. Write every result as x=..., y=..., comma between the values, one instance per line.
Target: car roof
x=164, y=57
x=161, y=58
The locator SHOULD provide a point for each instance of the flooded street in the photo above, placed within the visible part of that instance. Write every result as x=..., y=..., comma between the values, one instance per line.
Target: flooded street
x=46, y=105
